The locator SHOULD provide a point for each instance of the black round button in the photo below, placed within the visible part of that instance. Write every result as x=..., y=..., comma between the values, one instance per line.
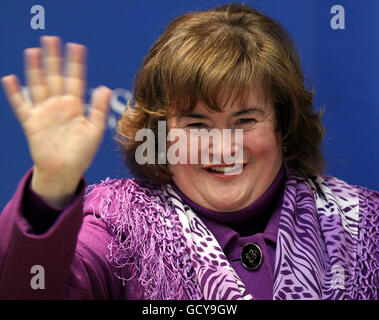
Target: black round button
x=251, y=256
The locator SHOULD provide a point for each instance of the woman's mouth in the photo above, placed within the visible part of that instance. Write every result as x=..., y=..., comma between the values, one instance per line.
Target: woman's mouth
x=225, y=170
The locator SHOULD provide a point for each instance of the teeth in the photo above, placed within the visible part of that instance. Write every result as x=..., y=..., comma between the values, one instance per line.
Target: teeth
x=226, y=169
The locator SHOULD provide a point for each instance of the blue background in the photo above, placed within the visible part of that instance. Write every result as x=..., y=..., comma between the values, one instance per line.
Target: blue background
x=341, y=64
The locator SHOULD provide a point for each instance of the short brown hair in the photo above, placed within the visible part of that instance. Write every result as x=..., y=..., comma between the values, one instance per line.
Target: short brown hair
x=225, y=50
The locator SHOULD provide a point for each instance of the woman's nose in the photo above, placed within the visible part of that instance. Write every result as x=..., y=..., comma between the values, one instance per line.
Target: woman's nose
x=226, y=147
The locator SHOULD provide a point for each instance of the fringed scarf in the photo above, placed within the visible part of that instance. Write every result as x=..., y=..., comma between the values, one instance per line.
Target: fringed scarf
x=326, y=239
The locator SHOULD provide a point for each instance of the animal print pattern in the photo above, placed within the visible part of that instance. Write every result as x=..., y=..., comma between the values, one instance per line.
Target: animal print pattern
x=366, y=280
x=316, y=253
x=317, y=239
x=213, y=270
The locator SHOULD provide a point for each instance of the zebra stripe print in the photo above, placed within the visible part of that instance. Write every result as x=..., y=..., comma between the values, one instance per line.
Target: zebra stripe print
x=315, y=257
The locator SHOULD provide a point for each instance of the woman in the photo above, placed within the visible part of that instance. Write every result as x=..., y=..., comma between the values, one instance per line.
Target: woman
x=268, y=226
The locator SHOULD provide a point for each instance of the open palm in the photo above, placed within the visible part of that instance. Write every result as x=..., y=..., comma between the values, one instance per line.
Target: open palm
x=62, y=139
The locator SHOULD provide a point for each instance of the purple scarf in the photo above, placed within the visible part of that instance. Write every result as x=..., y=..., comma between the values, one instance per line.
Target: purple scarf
x=326, y=242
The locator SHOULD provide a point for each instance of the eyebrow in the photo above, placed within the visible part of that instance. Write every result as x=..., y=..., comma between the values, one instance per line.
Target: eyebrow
x=238, y=113
x=249, y=111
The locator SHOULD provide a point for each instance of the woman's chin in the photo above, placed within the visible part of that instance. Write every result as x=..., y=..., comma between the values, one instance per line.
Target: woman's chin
x=225, y=200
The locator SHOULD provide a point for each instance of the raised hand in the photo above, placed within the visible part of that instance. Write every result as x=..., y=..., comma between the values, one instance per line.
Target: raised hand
x=62, y=140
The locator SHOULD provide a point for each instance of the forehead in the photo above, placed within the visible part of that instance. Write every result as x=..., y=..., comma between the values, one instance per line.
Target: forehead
x=254, y=101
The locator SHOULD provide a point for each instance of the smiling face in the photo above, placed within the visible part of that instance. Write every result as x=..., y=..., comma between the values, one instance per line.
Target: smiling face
x=262, y=155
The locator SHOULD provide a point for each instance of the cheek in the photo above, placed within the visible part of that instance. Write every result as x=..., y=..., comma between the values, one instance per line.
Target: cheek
x=261, y=144
x=184, y=175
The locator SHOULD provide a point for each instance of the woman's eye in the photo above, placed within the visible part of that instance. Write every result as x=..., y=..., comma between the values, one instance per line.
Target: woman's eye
x=197, y=125
x=245, y=123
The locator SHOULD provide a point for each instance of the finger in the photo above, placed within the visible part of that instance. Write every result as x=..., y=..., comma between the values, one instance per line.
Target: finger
x=12, y=90
x=52, y=62
x=34, y=75
x=100, y=106
x=75, y=69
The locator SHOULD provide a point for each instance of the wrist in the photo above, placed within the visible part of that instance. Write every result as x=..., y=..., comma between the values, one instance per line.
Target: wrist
x=56, y=190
